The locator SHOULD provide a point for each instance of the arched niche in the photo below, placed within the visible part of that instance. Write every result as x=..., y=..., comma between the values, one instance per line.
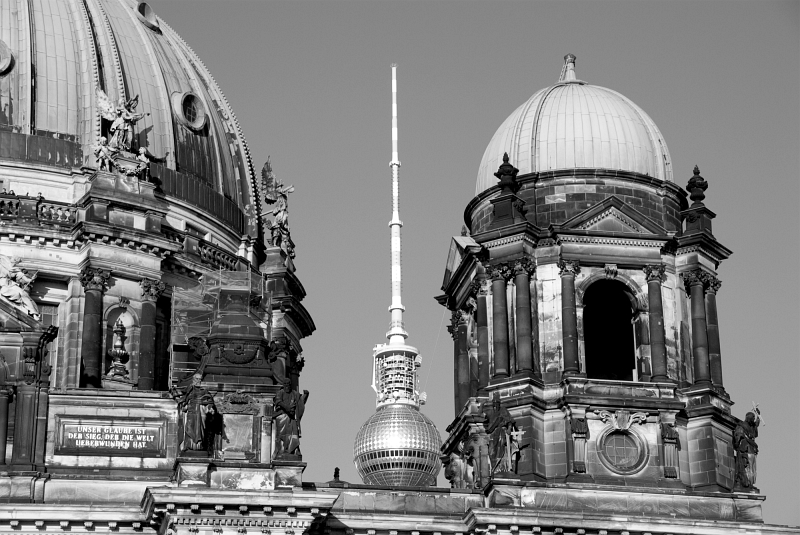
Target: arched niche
x=610, y=311
x=130, y=320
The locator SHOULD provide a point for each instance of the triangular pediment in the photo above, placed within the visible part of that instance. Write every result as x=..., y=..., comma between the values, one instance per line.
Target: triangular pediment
x=459, y=246
x=613, y=216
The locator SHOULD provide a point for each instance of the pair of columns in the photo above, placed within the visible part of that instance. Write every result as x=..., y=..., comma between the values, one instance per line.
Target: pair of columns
x=702, y=288
x=568, y=270
x=95, y=283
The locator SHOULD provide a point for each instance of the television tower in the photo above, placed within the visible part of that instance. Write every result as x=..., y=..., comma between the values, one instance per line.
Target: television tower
x=398, y=445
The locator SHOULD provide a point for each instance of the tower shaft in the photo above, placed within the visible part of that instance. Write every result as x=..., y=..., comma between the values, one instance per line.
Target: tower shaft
x=397, y=333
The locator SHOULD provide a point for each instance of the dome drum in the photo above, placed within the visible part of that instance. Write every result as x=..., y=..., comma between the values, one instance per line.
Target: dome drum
x=553, y=197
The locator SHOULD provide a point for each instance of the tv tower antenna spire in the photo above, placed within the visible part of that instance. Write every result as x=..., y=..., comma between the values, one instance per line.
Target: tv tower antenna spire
x=397, y=333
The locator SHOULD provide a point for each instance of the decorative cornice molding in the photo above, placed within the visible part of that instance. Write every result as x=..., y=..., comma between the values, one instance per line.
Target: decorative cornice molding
x=565, y=238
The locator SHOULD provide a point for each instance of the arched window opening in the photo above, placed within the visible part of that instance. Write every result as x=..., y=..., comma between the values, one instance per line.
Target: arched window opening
x=608, y=336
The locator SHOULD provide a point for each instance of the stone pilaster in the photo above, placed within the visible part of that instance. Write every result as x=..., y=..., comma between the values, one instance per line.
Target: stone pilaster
x=5, y=394
x=568, y=269
x=151, y=291
x=484, y=373
x=695, y=282
x=94, y=282
x=714, y=354
x=658, y=347
x=499, y=274
x=522, y=270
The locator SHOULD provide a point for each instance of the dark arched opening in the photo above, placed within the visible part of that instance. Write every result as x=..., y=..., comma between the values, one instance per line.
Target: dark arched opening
x=608, y=331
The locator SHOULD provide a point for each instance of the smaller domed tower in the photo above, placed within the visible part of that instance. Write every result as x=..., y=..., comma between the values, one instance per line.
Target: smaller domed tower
x=398, y=445
x=584, y=313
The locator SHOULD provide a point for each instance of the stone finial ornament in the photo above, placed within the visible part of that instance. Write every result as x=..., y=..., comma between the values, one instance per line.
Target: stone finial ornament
x=118, y=353
x=507, y=176
x=697, y=186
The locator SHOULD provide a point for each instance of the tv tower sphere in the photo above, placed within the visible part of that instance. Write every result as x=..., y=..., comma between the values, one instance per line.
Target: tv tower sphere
x=398, y=445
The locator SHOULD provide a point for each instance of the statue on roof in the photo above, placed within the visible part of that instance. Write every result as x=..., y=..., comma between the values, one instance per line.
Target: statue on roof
x=289, y=406
x=504, y=439
x=104, y=155
x=15, y=284
x=275, y=192
x=746, y=449
x=122, y=117
x=193, y=403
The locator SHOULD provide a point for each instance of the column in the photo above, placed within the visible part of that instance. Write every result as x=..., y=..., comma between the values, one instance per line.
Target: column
x=522, y=282
x=714, y=355
x=463, y=359
x=483, y=335
x=499, y=319
x=94, y=283
x=658, y=347
x=151, y=291
x=453, y=330
x=568, y=269
x=695, y=281
x=5, y=394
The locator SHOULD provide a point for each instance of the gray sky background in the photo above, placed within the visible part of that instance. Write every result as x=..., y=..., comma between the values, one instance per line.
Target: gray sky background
x=310, y=84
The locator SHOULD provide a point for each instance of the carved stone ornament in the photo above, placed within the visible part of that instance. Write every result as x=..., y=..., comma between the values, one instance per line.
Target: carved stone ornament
x=622, y=419
x=15, y=283
x=655, y=272
x=152, y=289
x=523, y=266
x=714, y=285
x=94, y=278
x=611, y=271
x=569, y=267
x=498, y=271
x=696, y=276
x=239, y=352
x=238, y=403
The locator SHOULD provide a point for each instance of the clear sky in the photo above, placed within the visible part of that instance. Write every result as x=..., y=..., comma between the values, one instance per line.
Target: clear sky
x=310, y=83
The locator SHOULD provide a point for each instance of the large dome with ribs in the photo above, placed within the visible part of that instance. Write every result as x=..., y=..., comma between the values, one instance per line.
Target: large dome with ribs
x=56, y=54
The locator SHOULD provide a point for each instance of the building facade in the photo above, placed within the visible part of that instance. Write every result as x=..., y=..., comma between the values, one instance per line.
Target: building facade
x=151, y=320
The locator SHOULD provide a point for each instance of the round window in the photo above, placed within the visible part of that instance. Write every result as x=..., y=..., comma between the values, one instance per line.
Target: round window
x=189, y=110
x=147, y=15
x=6, y=58
x=622, y=452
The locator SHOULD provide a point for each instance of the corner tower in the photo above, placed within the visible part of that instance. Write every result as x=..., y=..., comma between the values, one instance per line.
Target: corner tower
x=584, y=315
x=397, y=445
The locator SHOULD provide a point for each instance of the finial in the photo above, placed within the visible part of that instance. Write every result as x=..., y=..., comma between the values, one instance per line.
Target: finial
x=568, y=70
x=697, y=186
x=507, y=175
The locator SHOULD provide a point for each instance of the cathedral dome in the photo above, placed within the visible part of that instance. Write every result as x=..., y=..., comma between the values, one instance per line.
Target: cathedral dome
x=55, y=58
x=398, y=446
x=573, y=125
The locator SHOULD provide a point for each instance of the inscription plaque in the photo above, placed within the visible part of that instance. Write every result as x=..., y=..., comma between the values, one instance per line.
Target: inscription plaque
x=111, y=436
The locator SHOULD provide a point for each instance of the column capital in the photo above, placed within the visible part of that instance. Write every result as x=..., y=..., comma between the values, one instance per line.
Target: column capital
x=655, y=272
x=568, y=267
x=523, y=266
x=498, y=271
x=700, y=277
x=713, y=285
x=94, y=278
x=152, y=289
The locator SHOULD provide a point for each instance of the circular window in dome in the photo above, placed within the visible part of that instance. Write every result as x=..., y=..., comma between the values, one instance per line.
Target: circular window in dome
x=6, y=58
x=147, y=15
x=189, y=110
x=622, y=452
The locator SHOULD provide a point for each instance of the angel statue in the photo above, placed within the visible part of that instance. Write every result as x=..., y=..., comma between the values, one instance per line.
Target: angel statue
x=14, y=284
x=122, y=117
x=276, y=192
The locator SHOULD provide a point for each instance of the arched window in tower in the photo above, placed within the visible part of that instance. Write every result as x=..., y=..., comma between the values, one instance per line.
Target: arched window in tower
x=608, y=331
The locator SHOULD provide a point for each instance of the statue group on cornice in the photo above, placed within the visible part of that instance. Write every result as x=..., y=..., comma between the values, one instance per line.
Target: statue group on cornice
x=122, y=116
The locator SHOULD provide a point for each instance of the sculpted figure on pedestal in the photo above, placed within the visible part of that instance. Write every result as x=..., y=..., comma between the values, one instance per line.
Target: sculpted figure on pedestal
x=103, y=155
x=194, y=403
x=122, y=117
x=277, y=192
x=15, y=283
x=744, y=444
x=214, y=431
x=504, y=446
x=288, y=410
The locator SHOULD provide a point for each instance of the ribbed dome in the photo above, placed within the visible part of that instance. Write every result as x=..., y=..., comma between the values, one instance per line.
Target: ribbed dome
x=571, y=125
x=65, y=50
x=398, y=446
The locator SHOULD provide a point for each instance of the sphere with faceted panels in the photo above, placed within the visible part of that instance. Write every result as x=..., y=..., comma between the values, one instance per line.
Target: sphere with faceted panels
x=398, y=446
